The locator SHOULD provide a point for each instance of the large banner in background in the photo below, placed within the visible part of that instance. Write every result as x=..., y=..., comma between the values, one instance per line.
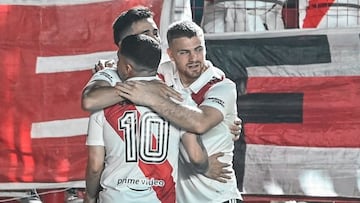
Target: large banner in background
x=299, y=98
x=47, y=50
x=329, y=13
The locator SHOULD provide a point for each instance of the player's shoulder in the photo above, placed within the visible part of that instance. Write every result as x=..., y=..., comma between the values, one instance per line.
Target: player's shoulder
x=109, y=75
x=107, y=71
x=225, y=84
x=220, y=76
x=222, y=82
x=167, y=67
x=228, y=81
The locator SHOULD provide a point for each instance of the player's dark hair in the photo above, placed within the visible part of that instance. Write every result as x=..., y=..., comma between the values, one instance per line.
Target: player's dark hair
x=143, y=51
x=122, y=24
x=184, y=29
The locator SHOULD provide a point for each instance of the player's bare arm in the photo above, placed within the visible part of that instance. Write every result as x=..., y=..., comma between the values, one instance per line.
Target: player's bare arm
x=147, y=90
x=140, y=93
x=211, y=167
x=95, y=166
x=216, y=170
x=99, y=95
x=196, y=150
x=195, y=120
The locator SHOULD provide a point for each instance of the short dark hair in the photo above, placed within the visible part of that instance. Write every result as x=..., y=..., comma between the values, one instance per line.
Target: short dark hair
x=143, y=51
x=122, y=24
x=184, y=29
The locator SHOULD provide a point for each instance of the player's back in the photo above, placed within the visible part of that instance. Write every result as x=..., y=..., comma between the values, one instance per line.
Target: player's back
x=141, y=156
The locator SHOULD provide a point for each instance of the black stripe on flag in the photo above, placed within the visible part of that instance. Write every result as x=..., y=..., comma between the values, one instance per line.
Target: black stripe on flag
x=293, y=50
x=271, y=107
x=233, y=56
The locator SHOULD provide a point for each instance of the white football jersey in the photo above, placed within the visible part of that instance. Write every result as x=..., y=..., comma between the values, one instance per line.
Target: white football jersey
x=109, y=75
x=142, y=152
x=214, y=90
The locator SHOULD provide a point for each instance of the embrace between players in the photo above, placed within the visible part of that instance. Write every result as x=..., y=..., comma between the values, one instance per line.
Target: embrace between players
x=160, y=132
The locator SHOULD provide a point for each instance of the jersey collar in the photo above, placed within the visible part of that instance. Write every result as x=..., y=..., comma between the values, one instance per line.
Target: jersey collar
x=210, y=73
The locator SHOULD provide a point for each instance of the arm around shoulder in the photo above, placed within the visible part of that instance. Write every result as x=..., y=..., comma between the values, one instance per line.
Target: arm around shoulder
x=98, y=95
x=193, y=119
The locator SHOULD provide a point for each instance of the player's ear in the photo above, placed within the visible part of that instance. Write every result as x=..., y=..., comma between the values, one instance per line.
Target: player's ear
x=129, y=68
x=170, y=53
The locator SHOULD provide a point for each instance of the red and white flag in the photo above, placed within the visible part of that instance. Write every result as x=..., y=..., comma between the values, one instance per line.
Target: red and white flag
x=329, y=13
x=47, y=51
x=301, y=110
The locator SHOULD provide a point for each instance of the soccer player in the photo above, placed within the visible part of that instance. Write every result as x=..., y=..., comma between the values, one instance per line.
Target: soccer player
x=215, y=96
x=133, y=153
x=101, y=90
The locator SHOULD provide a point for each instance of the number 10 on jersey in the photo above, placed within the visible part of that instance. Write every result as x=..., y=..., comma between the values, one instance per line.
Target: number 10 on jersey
x=149, y=141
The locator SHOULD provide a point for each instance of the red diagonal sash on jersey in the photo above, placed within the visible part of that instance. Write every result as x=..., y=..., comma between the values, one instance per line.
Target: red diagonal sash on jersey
x=161, y=171
x=199, y=96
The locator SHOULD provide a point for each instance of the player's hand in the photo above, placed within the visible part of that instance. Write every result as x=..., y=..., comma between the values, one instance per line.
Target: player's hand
x=103, y=64
x=146, y=93
x=217, y=170
x=236, y=129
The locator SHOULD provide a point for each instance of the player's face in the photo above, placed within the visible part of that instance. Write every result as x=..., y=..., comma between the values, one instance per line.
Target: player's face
x=189, y=57
x=146, y=26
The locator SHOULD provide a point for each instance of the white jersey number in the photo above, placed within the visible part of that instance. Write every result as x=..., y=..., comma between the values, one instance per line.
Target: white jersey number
x=153, y=139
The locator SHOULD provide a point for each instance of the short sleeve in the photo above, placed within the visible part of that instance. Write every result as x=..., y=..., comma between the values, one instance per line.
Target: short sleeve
x=95, y=129
x=108, y=75
x=221, y=96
